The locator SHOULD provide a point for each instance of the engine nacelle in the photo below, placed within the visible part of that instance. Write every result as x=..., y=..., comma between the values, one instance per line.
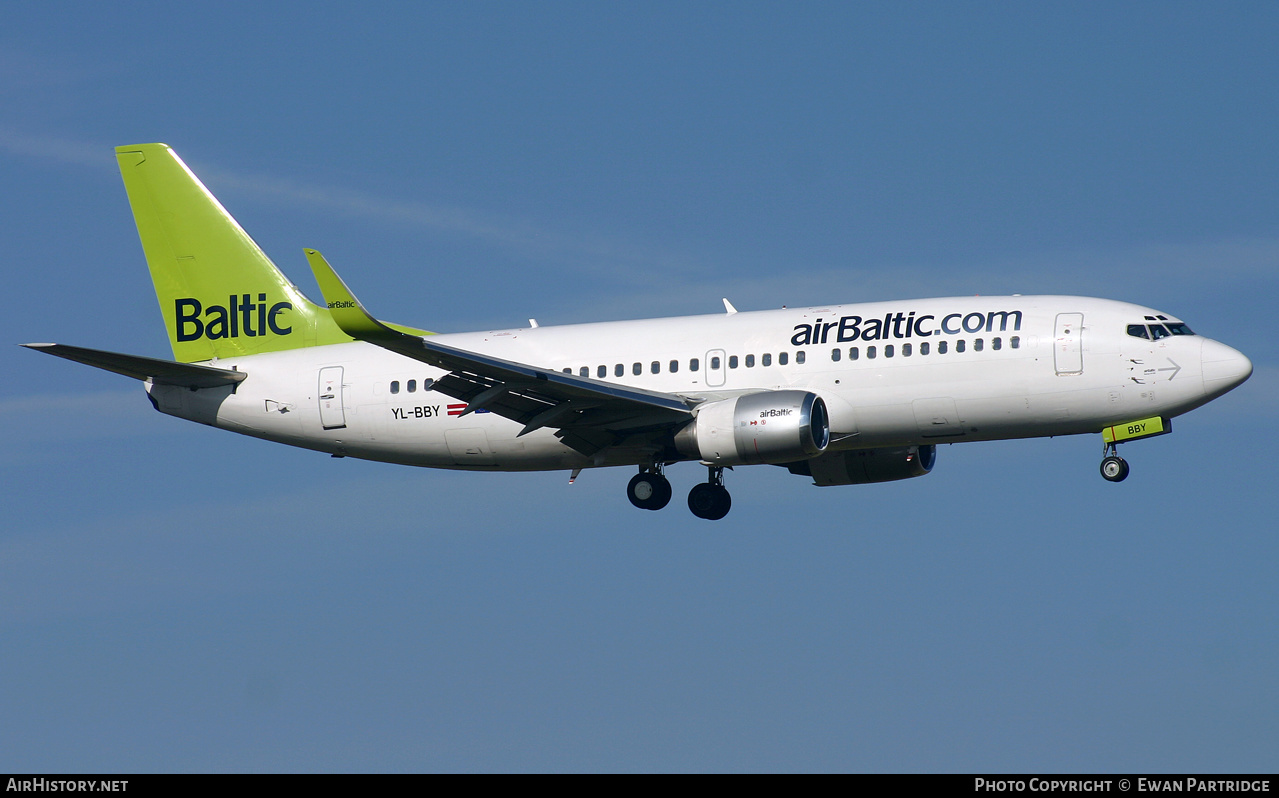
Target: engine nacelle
x=767, y=427
x=861, y=466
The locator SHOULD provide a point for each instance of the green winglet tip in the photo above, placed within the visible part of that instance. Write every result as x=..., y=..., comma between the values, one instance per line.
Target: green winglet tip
x=345, y=309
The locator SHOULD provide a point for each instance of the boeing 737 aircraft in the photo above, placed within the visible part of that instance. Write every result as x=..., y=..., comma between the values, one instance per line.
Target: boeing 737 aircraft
x=841, y=394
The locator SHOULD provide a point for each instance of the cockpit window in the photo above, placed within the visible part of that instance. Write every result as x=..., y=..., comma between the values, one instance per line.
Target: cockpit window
x=1157, y=331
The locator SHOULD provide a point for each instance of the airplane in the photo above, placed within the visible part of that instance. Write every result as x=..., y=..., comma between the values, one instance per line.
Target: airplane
x=842, y=394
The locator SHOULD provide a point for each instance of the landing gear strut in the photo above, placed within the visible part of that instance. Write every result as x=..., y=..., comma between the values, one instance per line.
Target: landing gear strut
x=709, y=499
x=1113, y=467
x=649, y=489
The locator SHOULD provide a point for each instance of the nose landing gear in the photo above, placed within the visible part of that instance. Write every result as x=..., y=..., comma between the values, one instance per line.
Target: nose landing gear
x=710, y=499
x=1113, y=467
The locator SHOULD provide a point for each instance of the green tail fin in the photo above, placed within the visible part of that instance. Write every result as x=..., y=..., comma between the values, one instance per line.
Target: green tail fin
x=220, y=295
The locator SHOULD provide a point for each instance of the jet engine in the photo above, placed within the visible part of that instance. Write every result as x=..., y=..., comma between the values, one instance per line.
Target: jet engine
x=860, y=466
x=768, y=427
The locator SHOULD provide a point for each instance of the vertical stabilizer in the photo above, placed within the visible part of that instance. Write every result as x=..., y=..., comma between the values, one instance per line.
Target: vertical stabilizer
x=220, y=295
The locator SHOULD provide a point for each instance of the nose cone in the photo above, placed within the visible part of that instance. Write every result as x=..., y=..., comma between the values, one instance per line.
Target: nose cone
x=1223, y=368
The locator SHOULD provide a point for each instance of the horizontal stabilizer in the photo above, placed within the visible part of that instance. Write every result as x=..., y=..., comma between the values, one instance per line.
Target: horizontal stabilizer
x=160, y=372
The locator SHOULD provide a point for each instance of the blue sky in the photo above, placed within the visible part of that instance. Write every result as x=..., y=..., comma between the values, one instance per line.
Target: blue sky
x=178, y=598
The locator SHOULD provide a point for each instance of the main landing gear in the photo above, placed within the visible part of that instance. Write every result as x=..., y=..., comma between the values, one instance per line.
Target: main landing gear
x=650, y=490
x=1113, y=467
x=710, y=499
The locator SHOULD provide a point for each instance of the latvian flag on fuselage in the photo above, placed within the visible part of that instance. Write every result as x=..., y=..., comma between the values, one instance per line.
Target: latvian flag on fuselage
x=456, y=410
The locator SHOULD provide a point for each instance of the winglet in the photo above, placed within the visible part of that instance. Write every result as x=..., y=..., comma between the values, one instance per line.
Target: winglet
x=728, y=307
x=347, y=312
x=345, y=309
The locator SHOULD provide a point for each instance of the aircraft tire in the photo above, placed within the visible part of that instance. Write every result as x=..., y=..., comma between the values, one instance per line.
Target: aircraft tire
x=708, y=501
x=649, y=491
x=662, y=494
x=1114, y=468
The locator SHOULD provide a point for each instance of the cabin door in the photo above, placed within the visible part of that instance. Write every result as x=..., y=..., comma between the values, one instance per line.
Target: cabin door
x=332, y=414
x=1068, y=353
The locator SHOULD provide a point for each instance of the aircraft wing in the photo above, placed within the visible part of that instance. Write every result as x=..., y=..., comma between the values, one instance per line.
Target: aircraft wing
x=589, y=415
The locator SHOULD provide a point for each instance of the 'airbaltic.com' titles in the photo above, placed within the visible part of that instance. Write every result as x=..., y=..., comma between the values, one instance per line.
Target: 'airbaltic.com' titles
x=854, y=328
x=841, y=394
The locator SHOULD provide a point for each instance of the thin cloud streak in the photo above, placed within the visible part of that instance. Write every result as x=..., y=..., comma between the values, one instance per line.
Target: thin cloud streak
x=58, y=149
x=1184, y=270
x=640, y=269
x=583, y=252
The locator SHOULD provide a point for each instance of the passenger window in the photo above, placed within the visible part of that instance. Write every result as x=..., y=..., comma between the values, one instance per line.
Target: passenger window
x=714, y=363
x=750, y=361
x=656, y=367
x=566, y=371
x=732, y=361
x=996, y=343
x=941, y=347
x=1138, y=331
x=923, y=348
x=1157, y=331
x=978, y=344
x=870, y=352
x=834, y=355
x=412, y=386
x=766, y=360
x=619, y=370
x=960, y=345
x=888, y=350
x=585, y=372
x=675, y=366
x=782, y=358
x=395, y=386
x=637, y=369
x=693, y=364
x=799, y=357
x=905, y=350
x=1015, y=342
x=853, y=353
x=601, y=372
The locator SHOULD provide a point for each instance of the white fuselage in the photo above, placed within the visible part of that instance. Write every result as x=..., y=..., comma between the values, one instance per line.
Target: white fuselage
x=1012, y=367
